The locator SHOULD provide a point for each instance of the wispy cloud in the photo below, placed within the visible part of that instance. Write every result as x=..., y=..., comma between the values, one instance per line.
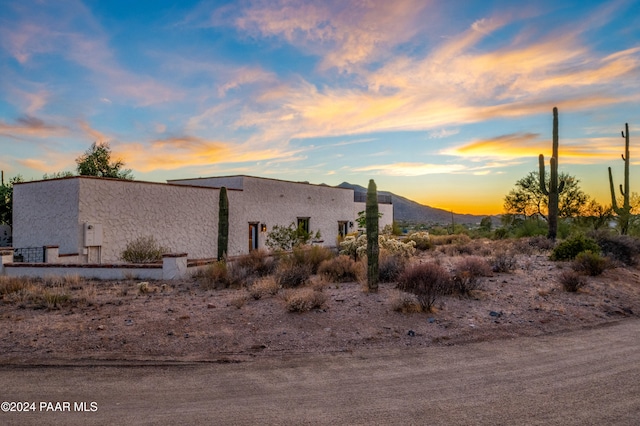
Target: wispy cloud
x=343, y=33
x=411, y=169
x=32, y=127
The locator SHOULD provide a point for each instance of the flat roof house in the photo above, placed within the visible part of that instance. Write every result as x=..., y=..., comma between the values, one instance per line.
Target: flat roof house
x=93, y=219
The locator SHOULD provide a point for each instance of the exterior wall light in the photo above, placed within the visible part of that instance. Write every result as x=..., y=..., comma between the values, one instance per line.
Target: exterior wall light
x=350, y=224
x=263, y=227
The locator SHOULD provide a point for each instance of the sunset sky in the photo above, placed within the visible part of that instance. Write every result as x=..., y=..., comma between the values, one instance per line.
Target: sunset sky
x=446, y=102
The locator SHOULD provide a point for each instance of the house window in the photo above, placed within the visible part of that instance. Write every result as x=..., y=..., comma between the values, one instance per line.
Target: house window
x=303, y=224
x=343, y=228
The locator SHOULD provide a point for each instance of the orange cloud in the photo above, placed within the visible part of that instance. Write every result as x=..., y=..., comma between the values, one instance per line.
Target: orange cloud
x=523, y=145
x=185, y=151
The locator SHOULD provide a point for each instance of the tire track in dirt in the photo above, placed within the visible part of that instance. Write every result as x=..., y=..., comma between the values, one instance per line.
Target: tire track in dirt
x=584, y=377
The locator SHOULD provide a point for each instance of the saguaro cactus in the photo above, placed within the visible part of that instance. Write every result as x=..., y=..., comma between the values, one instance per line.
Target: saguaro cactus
x=623, y=212
x=223, y=224
x=555, y=187
x=373, y=249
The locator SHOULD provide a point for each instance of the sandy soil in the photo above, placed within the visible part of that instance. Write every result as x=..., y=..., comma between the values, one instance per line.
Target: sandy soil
x=180, y=321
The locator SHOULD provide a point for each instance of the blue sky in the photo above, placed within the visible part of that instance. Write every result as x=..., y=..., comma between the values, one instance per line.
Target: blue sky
x=448, y=103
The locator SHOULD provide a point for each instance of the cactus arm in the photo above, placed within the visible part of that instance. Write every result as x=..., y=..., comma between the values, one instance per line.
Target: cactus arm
x=614, y=203
x=543, y=186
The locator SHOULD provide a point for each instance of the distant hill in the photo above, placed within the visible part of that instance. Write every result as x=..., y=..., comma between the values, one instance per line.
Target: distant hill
x=405, y=209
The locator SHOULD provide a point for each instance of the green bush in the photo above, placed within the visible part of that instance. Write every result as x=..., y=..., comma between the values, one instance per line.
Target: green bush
x=143, y=250
x=589, y=263
x=571, y=247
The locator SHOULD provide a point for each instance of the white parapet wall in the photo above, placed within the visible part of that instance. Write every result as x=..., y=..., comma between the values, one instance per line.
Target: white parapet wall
x=173, y=267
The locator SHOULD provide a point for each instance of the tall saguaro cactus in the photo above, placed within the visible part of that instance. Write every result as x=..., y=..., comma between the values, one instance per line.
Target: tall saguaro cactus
x=373, y=250
x=555, y=187
x=623, y=212
x=223, y=224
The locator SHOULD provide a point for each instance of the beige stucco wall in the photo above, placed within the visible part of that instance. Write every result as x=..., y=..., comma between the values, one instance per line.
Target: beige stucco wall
x=182, y=219
x=276, y=202
x=46, y=213
x=385, y=209
x=180, y=216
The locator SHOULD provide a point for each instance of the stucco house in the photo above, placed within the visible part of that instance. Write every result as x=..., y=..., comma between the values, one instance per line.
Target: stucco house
x=91, y=220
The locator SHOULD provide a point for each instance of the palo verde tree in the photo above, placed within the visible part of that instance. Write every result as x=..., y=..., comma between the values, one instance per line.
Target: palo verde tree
x=223, y=224
x=373, y=250
x=96, y=161
x=554, y=188
x=527, y=199
x=624, y=212
x=6, y=200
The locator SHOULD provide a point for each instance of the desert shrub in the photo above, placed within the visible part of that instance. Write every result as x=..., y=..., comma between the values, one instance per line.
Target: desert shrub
x=396, y=247
x=503, y=261
x=257, y=262
x=500, y=233
x=530, y=245
x=340, y=269
x=571, y=247
x=9, y=285
x=353, y=245
x=218, y=275
x=571, y=280
x=143, y=250
x=390, y=266
x=263, y=287
x=421, y=240
x=467, y=273
x=304, y=299
x=622, y=248
x=427, y=281
x=589, y=263
x=357, y=247
x=439, y=240
x=312, y=256
x=290, y=274
x=239, y=301
x=406, y=303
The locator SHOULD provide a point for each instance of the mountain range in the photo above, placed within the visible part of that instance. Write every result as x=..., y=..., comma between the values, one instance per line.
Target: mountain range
x=407, y=210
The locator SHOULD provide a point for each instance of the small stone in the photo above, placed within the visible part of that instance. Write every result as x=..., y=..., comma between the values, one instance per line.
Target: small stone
x=170, y=333
x=495, y=314
x=431, y=320
x=210, y=306
x=128, y=322
x=411, y=333
x=100, y=327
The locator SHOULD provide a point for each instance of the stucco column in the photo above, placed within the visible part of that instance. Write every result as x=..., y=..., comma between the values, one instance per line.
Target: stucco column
x=51, y=254
x=174, y=266
x=6, y=256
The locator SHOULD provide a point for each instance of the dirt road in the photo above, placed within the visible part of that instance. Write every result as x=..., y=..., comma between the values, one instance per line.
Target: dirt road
x=588, y=377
